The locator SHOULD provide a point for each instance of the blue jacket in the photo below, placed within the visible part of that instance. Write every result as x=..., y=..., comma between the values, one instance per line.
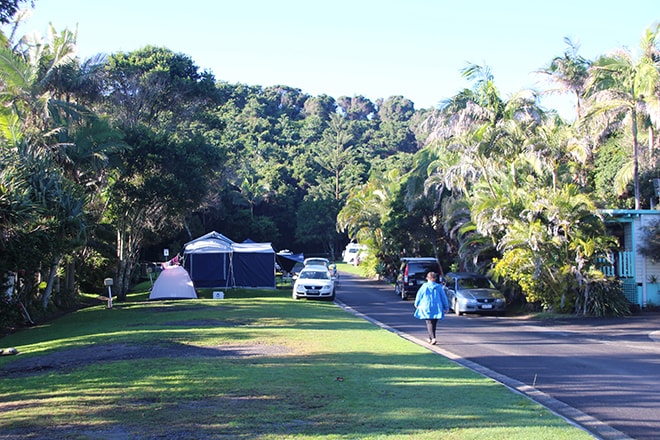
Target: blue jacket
x=431, y=301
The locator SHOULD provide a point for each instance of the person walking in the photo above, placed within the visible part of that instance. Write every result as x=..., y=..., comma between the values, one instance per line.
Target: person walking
x=431, y=304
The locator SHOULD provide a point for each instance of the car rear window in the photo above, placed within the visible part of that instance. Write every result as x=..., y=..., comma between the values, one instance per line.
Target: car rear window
x=422, y=268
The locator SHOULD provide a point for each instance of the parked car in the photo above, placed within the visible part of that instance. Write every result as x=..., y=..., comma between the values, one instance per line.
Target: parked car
x=313, y=261
x=353, y=251
x=314, y=281
x=332, y=268
x=412, y=274
x=469, y=292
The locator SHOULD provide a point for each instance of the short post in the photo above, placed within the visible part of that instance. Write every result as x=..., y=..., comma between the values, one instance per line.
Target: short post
x=108, y=282
x=150, y=271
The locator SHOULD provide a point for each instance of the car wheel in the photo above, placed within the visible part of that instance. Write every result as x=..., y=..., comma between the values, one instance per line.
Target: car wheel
x=457, y=309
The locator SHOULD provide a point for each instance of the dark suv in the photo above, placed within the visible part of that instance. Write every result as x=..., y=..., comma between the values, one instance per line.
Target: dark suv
x=412, y=274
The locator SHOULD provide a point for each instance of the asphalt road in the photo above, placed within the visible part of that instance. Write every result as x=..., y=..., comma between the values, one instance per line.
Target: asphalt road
x=600, y=374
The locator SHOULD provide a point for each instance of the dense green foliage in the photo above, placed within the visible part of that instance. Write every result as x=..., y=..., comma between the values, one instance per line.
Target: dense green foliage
x=105, y=162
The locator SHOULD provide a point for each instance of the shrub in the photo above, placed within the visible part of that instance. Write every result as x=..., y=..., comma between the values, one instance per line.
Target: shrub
x=605, y=298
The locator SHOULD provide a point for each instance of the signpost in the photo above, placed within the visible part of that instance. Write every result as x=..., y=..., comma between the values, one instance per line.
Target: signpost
x=108, y=282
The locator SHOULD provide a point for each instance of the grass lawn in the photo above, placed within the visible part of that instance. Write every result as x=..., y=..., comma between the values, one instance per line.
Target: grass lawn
x=255, y=365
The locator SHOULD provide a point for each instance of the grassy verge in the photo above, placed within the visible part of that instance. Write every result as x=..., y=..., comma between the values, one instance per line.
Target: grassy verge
x=254, y=365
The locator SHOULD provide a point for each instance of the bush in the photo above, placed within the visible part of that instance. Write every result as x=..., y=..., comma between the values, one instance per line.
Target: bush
x=10, y=315
x=605, y=298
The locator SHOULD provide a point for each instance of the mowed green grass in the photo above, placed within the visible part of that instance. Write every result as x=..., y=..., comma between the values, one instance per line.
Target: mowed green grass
x=256, y=365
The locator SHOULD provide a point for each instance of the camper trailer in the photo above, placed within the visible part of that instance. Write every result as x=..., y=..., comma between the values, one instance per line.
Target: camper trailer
x=352, y=251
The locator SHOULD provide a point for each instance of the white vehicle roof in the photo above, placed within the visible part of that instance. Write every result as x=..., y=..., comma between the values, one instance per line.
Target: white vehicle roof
x=316, y=261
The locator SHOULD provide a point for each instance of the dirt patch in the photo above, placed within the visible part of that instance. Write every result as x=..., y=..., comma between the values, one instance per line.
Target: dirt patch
x=65, y=360
x=197, y=323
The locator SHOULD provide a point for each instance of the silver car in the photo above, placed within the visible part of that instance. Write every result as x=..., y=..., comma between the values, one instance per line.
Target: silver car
x=471, y=292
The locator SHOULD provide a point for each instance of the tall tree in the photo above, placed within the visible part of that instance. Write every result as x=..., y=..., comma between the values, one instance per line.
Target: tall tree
x=155, y=85
x=569, y=73
x=394, y=133
x=621, y=85
x=159, y=180
x=356, y=108
x=336, y=155
x=160, y=100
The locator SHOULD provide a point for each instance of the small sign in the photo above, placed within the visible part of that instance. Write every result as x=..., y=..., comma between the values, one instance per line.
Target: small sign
x=166, y=252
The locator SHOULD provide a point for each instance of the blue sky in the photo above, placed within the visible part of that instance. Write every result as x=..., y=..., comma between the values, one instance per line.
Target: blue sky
x=414, y=48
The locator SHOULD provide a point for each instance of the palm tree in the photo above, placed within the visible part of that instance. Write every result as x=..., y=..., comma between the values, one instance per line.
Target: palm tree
x=569, y=73
x=27, y=73
x=556, y=152
x=17, y=206
x=621, y=85
x=485, y=93
x=476, y=162
x=367, y=208
x=551, y=246
x=54, y=137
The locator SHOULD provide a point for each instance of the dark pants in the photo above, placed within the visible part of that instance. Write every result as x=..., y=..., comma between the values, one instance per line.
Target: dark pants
x=431, y=325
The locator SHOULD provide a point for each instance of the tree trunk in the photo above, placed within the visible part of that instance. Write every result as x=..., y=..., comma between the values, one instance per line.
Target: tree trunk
x=635, y=159
x=120, y=285
x=51, y=281
x=587, y=289
x=70, y=277
x=187, y=228
x=128, y=251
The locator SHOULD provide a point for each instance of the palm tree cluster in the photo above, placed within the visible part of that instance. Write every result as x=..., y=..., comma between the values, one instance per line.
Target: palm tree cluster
x=505, y=187
x=47, y=179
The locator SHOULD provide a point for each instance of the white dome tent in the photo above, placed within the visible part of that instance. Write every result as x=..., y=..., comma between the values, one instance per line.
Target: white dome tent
x=173, y=283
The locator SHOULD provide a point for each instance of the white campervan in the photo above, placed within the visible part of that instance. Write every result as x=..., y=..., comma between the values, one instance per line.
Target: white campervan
x=352, y=250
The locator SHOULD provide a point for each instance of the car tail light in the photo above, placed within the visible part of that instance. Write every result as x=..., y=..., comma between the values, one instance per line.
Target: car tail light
x=405, y=274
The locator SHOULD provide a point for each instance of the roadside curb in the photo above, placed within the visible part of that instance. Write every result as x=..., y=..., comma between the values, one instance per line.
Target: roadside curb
x=572, y=415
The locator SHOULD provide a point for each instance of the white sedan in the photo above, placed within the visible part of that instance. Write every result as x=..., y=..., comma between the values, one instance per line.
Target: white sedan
x=314, y=282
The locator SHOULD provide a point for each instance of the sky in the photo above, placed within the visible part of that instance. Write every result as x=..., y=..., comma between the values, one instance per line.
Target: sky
x=373, y=48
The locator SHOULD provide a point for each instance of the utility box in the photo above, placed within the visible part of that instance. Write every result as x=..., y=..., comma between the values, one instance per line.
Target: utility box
x=218, y=295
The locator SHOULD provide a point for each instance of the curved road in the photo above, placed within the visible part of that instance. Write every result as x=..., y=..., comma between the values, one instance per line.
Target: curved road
x=601, y=374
